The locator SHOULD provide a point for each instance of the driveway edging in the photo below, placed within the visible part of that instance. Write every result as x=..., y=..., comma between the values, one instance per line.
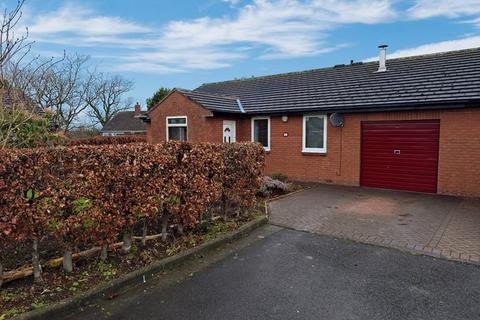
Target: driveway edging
x=267, y=201
x=138, y=277
x=287, y=195
x=392, y=244
x=422, y=250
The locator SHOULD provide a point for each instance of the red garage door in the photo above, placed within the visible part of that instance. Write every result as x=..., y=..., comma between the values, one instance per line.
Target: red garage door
x=400, y=155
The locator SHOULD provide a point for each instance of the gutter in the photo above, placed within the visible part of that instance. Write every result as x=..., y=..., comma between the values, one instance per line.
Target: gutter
x=398, y=107
x=122, y=131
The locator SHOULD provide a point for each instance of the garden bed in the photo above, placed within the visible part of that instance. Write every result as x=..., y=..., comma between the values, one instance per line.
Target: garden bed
x=278, y=185
x=20, y=296
x=292, y=188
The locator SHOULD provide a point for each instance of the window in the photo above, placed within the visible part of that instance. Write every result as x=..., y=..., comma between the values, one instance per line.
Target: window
x=314, y=137
x=261, y=131
x=177, y=128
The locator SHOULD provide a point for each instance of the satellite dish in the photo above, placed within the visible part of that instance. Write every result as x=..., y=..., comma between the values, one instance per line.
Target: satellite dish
x=337, y=120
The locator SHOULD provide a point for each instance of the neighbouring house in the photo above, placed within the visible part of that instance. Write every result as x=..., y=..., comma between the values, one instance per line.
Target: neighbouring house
x=126, y=123
x=408, y=123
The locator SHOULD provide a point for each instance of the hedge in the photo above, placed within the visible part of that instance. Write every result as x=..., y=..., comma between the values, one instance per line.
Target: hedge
x=103, y=140
x=90, y=195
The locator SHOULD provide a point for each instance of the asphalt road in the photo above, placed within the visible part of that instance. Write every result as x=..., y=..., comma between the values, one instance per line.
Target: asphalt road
x=286, y=274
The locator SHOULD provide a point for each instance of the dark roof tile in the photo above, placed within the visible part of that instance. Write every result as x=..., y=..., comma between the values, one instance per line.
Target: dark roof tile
x=214, y=102
x=447, y=77
x=125, y=121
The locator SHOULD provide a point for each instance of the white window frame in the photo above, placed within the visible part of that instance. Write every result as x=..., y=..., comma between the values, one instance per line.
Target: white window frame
x=176, y=125
x=304, y=133
x=269, y=130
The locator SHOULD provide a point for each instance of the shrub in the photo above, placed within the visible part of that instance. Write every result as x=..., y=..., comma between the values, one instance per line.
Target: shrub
x=243, y=163
x=88, y=195
x=20, y=128
x=101, y=140
x=273, y=184
x=262, y=191
x=280, y=176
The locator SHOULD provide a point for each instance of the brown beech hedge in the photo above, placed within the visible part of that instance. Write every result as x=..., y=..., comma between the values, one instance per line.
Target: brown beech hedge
x=100, y=140
x=83, y=196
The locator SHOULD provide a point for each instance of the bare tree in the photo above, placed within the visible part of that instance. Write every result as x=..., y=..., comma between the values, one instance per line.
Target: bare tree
x=62, y=88
x=18, y=70
x=16, y=111
x=106, y=97
x=30, y=85
x=12, y=47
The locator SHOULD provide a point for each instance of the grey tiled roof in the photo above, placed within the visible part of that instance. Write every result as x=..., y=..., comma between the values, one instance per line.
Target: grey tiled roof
x=428, y=80
x=214, y=102
x=125, y=121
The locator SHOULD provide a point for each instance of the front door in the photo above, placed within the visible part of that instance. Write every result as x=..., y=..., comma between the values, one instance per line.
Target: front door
x=229, y=135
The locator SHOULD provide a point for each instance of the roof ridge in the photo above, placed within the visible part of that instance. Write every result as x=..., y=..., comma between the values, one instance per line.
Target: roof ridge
x=441, y=53
x=284, y=74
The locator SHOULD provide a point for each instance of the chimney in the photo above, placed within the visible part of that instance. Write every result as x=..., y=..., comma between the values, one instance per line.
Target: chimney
x=138, y=109
x=382, y=66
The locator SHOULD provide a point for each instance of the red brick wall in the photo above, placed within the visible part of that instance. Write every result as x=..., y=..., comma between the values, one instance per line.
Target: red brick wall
x=459, y=158
x=202, y=126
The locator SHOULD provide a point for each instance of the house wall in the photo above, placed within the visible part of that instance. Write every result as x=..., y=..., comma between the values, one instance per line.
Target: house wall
x=459, y=155
x=202, y=126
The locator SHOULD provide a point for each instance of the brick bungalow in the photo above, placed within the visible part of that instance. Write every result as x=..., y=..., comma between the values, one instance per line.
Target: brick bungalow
x=409, y=123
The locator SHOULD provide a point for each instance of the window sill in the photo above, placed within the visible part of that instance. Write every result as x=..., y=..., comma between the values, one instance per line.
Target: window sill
x=313, y=153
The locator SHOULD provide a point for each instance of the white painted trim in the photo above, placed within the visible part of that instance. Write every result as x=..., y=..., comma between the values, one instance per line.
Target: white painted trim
x=167, y=125
x=304, y=131
x=128, y=133
x=269, y=130
x=123, y=132
x=240, y=106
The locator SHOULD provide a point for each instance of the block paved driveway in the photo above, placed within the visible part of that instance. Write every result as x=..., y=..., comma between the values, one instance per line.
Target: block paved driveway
x=441, y=226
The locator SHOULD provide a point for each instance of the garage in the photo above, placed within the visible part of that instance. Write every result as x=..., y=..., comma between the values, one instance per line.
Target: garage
x=400, y=155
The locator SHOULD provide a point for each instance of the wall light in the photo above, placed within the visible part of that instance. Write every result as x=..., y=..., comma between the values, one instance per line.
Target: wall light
x=284, y=118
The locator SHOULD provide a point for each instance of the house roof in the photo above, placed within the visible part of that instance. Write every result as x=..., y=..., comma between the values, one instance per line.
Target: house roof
x=124, y=121
x=213, y=101
x=420, y=81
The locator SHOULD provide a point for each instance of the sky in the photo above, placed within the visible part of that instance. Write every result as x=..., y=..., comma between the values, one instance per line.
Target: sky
x=184, y=43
